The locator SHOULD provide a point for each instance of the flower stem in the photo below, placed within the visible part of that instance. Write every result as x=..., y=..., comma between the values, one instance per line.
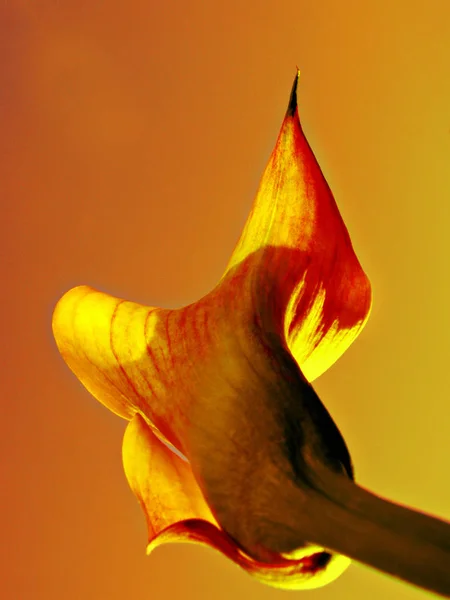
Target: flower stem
x=397, y=540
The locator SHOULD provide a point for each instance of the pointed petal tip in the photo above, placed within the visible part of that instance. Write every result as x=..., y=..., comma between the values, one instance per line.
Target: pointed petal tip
x=292, y=106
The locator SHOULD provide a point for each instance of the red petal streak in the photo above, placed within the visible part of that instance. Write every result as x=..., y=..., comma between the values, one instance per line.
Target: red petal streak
x=307, y=283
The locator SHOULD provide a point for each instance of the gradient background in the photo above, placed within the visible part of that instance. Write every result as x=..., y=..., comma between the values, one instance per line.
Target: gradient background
x=133, y=137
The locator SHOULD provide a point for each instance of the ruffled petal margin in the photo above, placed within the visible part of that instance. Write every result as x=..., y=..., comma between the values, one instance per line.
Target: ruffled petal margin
x=177, y=512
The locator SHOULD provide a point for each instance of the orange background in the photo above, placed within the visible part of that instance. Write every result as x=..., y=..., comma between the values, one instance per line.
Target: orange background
x=133, y=136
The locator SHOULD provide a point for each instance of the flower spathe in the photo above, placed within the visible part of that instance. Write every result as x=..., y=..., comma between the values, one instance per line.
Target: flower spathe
x=177, y=512
x=223, y=379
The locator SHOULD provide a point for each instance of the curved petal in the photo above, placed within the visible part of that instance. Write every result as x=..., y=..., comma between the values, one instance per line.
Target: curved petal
x=294, y=271
x=169, y=365
x=177, y=512
x=120, y=352
x=306, y=272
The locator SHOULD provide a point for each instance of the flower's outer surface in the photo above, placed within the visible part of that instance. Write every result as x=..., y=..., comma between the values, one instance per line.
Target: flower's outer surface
x=176, y=511
x=226, y=382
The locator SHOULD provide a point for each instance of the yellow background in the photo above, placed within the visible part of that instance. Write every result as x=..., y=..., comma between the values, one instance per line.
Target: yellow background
x=140, y=129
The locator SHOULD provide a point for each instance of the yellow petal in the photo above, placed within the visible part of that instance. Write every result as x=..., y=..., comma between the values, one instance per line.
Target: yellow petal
x=177, y=512
x=163, y=482
x=165, y=364
x=119, y=353
x=303, y=263
x=293, y=274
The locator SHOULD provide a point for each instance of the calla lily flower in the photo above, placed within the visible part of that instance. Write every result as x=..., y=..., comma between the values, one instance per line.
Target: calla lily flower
x=228, y=444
